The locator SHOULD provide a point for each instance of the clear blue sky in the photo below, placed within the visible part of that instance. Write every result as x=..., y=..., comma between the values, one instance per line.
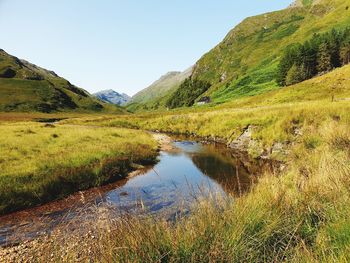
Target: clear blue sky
x=121, y=45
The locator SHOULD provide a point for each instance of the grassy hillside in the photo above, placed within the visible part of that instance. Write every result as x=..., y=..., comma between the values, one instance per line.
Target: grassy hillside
x=26, y=87
x=156, y=95
x=245, y=63
x=273, y=114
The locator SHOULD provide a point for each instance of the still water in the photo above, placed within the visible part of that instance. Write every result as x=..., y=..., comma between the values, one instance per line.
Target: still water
x=182, y=176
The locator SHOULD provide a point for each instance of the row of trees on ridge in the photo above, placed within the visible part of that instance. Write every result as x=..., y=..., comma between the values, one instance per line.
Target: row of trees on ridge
x=317, y=56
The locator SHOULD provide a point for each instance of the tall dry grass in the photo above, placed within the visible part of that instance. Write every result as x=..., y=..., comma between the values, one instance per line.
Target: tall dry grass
x=42, y=162
x=300, y=216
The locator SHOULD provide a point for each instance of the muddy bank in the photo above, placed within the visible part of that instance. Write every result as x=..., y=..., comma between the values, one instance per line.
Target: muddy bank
x=165, y=142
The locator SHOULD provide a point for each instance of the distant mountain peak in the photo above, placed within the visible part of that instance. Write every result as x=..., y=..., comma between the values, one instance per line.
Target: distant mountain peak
x=106, y=91
x=159, y=89
x=113, y=97
x=166, y=76
x=172, y=73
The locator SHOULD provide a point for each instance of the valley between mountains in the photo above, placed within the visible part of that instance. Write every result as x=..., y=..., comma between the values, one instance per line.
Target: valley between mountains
x=242, y=157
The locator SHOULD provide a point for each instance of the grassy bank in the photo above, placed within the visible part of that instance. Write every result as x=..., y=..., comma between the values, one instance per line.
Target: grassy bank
x=277, y=115
x=282, y=123
x=41, y=162
x=300, y=216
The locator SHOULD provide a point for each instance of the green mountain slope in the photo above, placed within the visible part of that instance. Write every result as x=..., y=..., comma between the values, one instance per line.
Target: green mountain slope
x=246, y=62
x=27, y=87
x=156, y=95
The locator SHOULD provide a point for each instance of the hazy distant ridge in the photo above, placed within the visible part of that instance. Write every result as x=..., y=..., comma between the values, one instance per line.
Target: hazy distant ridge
x=111, y=96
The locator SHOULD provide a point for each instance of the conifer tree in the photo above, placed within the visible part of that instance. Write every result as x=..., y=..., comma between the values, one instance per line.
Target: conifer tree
x=303, y=73
x=345, y=54
x=320, y=54
x=334, y=39
x=287, y=61
x=310, y=60
x=324, y=59
x=294, y=75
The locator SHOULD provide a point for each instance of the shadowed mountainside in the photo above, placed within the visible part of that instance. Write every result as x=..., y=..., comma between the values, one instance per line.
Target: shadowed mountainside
x=26, y=87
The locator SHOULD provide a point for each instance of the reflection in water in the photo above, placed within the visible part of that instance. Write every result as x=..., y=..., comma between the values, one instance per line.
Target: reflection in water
x=173, y=183
x=230, y=174
x=235, y=172
x=170, y=187
x=183, y=176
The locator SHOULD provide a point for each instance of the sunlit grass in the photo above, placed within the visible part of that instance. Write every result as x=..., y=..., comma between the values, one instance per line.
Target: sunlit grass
x=276, y=114
x=299, y=216
x=276, y=123
x=40, y=162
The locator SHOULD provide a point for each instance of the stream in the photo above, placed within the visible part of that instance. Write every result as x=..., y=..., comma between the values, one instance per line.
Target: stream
x=192, y=170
